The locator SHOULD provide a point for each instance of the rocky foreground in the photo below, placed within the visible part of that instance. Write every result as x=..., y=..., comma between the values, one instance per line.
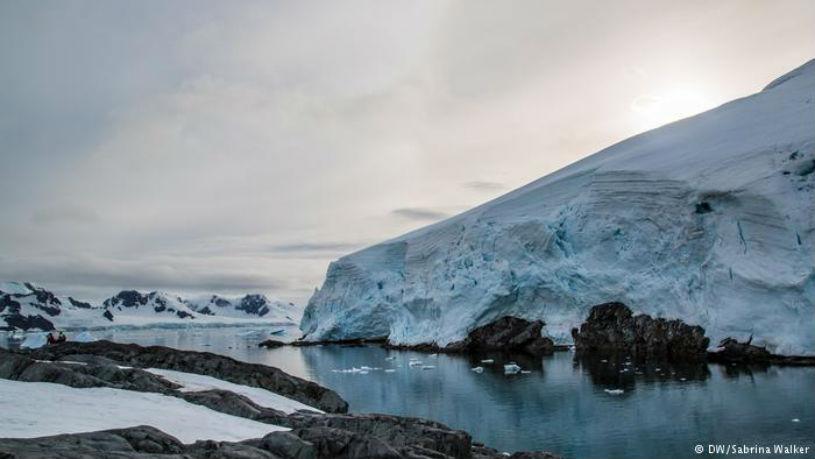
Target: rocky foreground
x=313, y=435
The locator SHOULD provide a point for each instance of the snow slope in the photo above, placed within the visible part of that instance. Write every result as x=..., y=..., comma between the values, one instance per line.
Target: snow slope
x=192, y=382
x=710, y=219
x=52, y=409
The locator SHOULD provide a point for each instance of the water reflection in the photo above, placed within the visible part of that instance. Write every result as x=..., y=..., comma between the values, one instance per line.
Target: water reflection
x=565, y=404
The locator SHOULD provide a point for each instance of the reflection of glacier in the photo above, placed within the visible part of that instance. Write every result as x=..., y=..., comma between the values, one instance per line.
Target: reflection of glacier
x=562, y=407
x=710, y=219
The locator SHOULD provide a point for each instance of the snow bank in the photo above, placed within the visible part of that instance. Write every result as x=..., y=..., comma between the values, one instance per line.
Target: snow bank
x=40, y=409
x=192, y=382
x=710, y=219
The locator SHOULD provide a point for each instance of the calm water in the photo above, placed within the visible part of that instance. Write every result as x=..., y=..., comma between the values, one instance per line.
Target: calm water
x=561, y=406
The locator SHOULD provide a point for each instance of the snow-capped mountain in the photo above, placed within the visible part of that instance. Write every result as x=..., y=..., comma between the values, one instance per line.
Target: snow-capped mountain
x=710, y=219
x=26, y=306
x=252, y=305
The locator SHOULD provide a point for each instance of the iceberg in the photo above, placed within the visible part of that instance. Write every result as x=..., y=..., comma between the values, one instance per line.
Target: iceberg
x=710, y=219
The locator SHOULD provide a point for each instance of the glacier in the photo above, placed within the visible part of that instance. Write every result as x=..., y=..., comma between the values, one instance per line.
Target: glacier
x=709, y=219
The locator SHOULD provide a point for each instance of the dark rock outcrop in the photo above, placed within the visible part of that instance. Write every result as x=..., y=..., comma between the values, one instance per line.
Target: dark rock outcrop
x=732, y=351
x=133, y=442
x=511, y=334
x=204, y=363
x=507, y=334
x=611, y=329
x=20, y=367
x=271, y=343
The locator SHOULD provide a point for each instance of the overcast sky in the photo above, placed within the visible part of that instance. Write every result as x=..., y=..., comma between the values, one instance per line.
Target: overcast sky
x=196, y=146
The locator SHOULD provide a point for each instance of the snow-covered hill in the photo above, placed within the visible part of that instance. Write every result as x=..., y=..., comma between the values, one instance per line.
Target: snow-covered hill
x=710, y=219
x=252, y=305
x=27, y=306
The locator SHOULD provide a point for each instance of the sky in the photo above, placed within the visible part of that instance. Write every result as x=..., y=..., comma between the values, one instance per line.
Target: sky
x=230, y=147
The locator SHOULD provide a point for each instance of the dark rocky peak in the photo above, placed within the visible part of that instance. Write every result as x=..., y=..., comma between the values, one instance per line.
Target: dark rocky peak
x=79, y=304
x=42, y=295
x=127, y=299
x=254, y=304
x=220, y=302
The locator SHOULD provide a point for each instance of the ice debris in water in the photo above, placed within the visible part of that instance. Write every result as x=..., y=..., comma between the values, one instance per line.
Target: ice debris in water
x=614, y=391
x=488, y=361
x=390, y=370
x=511, y=368
x=415, y=363
x=354, y=370
x=525, y=372
x=428, y=367
x=478, y=369
x=393, y=357
x=796, y=420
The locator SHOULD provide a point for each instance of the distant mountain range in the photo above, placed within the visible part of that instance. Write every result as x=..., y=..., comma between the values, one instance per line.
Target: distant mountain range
x=26, y=306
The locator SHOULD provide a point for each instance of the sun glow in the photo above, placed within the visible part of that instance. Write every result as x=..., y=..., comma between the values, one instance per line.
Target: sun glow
x=656, y=109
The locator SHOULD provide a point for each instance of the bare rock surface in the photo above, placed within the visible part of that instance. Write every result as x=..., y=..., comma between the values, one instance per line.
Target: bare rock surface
x=612, y=328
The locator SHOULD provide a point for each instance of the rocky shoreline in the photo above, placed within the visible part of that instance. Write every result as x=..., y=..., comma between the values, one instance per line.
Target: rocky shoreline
x=611, y=329
x=313, y=435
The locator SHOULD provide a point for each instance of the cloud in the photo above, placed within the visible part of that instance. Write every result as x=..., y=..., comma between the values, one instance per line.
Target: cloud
x=419, y=213
x=221, y=160
x=65, y=213
x=485, y=186
x=146, y=273
x=315, y=247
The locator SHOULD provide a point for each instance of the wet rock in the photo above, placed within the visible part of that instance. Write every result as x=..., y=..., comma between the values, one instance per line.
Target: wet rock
x=271, y=343
x=204, y=363
x=734, y=351
x=611, y=329
x=510, y=334
x=507, y=334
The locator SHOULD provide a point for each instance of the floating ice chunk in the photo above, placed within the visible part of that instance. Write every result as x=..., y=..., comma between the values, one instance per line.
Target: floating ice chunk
x=428, y=367
x=363, y=372
x=390, y=370
x=84, y=337
x=434, y=355
x=614, y=391
x=511, y=368
x=478, y=369
x=682, y=379
x=415, y=363
x=488, y=361
x=796, y=420
x=525, y=372
x=604, y=361
x=34, y=340
x=392, y=357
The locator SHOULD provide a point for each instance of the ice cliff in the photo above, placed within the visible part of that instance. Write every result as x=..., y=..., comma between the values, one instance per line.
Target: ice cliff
x=709, y=219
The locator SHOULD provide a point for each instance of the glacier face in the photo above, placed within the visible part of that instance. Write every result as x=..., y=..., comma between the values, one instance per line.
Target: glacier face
x=709, y=219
